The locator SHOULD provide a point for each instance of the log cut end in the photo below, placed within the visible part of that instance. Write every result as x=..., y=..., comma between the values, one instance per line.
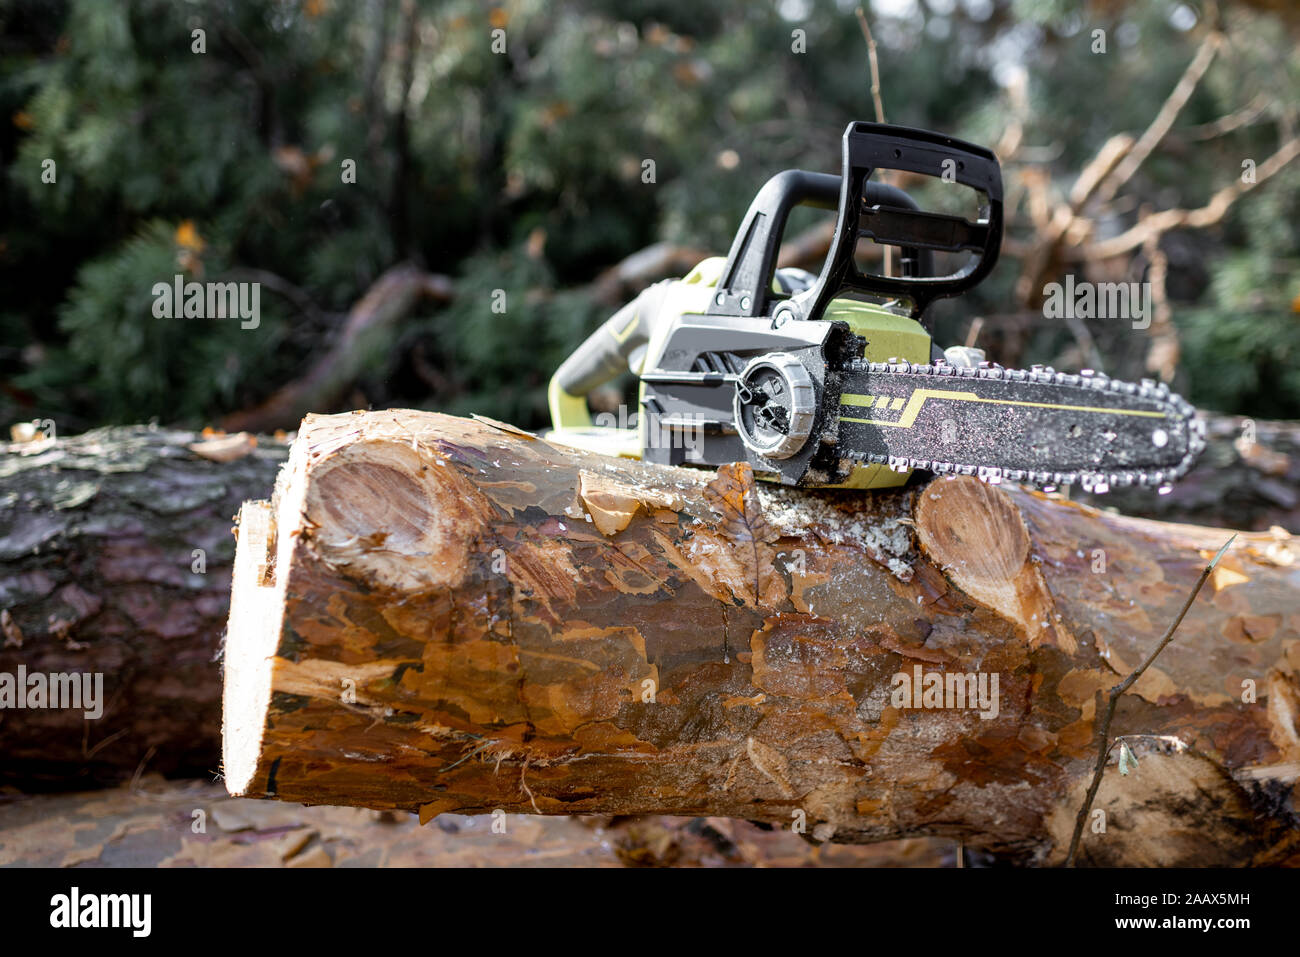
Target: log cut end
x=362, y=496
x=977, y=535
x=256, y=610
x=373, y=506
x=256, y=621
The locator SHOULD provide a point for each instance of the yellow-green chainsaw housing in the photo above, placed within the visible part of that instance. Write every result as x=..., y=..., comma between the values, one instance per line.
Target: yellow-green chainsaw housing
x=887, y=335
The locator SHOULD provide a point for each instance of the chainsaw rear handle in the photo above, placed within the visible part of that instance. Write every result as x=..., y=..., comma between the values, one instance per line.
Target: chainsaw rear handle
x=745, y=286
x=867, y=147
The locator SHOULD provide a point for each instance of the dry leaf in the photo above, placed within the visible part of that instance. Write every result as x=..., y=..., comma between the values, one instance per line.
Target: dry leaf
x=13, y=634
x=733, y=496
x=188, y=236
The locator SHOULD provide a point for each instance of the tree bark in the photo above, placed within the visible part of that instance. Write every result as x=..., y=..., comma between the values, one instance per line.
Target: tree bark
x=186, y=823
x=446, y=615
x=98, y=534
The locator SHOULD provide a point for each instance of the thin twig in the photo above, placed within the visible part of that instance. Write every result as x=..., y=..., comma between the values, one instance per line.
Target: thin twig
x=1087, y=344
x=875, y=66
x=1103, y=727
x=1163, y=348
x=139, y=769
x=880, y=109
x=465, y=757
x=295, y=294
x=109, y=740
x=1164, y=119
x=1245, y=116
x=523, y=783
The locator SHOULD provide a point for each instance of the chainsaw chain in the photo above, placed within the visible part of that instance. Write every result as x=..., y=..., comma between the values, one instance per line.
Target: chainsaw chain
x=1096, y=482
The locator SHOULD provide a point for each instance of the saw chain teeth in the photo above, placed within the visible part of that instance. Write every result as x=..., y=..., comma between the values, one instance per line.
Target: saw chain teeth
x=1095, y=482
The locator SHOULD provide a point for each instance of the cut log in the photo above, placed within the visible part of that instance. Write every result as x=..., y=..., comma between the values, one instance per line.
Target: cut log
x=102, y=581
x=445, y=615
x=99, y=574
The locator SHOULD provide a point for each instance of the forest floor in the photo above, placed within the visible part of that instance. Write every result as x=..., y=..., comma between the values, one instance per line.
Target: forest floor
x=160, y=823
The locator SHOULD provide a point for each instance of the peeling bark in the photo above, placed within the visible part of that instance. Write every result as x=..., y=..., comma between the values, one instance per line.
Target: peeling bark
x=444, y=615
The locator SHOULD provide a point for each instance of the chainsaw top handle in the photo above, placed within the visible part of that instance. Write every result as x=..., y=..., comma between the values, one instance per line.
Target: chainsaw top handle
x=873, y=211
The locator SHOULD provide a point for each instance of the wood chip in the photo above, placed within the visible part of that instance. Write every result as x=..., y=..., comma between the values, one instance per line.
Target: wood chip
x=503, y=426
x=225, y=448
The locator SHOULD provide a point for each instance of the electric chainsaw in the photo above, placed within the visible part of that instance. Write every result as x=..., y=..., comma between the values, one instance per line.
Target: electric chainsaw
x=833, y=380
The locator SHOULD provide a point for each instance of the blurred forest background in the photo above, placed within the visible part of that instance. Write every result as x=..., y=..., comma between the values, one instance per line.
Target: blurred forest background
x=522, y=171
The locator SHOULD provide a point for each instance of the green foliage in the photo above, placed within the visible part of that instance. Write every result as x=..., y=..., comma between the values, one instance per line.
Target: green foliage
x=1241, y=344
x=135, y=365
x=505, y=333
x=526, y=172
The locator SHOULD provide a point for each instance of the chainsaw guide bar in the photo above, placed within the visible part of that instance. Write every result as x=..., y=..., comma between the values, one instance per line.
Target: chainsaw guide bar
x=1039, y=427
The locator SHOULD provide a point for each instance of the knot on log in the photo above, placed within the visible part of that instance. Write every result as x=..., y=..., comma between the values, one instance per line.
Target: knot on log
x=976, y=534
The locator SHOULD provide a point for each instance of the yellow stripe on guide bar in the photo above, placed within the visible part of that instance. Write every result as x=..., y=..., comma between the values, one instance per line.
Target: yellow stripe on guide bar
x=918, y=397
x=867, y=401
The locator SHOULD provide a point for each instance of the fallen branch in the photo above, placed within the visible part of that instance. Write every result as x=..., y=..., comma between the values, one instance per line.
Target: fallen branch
x=1210, y=214
x=371, y=324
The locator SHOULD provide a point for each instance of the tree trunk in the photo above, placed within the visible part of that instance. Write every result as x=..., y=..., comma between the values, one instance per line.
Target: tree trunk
x=99, y=574
x=446, y=615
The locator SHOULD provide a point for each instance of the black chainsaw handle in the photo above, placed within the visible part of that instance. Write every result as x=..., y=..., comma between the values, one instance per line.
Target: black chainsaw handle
x=868, y=147
x=745, y=286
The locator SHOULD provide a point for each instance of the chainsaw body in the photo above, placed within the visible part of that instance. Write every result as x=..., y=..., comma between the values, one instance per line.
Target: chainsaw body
x=833, y=380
